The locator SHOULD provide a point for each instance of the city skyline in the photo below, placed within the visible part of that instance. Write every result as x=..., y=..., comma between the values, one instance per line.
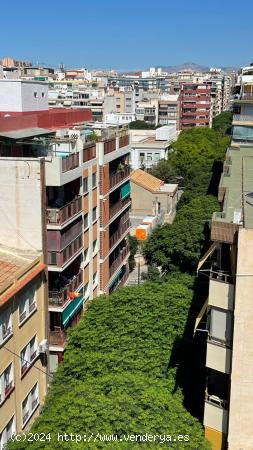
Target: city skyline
x=133, y=38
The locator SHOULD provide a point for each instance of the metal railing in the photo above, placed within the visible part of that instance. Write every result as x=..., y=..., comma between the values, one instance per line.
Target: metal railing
x=243, y=117
x=7, y=333
x=119, y=176
x=61, y=296
x=216, y=400
x=119, y=233
x=59, y=216
x=115, y=264
x=114, y=209
x=57, y=337
x=70, y=162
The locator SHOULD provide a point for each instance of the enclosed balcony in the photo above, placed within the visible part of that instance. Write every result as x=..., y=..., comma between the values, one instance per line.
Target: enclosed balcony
x=59, y=297
x=221, y=290
x=61, y=216
x=119, y=171
x=117, y=257
x=216, y=401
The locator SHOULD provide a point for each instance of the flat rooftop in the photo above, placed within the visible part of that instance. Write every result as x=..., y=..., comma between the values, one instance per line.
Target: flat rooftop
x=238, y=184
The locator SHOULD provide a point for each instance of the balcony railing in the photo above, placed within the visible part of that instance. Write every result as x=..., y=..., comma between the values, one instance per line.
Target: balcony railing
x=35, y=403
x=22, y=316
x=58, y=216
x=124, y=141
x=216, y=400
x=119, y=233
x=116, y=263
x=8, y=389
x=243, y=117
x=121, y=281
x=247, y=96
x=70, y=162
x=32, y=307
x=60, y=297
x=109, y=146
x=118, y=177
x=25, y=417
x=89, y=152
x=57, y=337
x=24, y=367
x=114, y=209
x=60, y=258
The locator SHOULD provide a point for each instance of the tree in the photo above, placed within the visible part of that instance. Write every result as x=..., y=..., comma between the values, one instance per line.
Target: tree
x=141, y=125
x=223, y=122
x=133, y=245
x=116, y=379
x=178, y=246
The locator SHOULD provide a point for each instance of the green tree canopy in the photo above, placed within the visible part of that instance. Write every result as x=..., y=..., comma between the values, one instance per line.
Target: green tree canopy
x=223, y=122
x=116, y=378
x=178, y=246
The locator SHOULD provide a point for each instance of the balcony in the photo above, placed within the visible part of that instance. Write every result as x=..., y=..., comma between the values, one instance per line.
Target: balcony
x=118, y=235
x=221, y=291
x=63, y=258
x=215, y=414
x=70, y=162
x=116, y=263
x=6, y=332
x=59, y=216
x=57, y=338
x=119, y=177
x=109, y=146
x=117, y=207
x=58, y=298
x=89, y=152
x=120, y=280
x=247, y=118
x=124, y=140
x=218, y=356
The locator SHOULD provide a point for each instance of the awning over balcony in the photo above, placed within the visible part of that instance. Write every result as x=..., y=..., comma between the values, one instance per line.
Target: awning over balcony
x=125, y=190
x=209, y=253
x=71, y=310
x=201, y=315
x=115, y=279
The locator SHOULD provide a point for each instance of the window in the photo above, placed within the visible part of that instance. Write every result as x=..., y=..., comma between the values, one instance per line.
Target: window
x=94, y=214
x=7, y=432
x=149, y=157
x=85, y=221
x=85, y=254
x=52, y=258
x=30, y=404
x=85, y=184
x=5, y=325
x=94, y=179
x=86, y=290
x=35, y=94
x=6, y=382
x=27, y=303
x=95, y=278
x=28, y=355
x=42, y=94
x=94, y=246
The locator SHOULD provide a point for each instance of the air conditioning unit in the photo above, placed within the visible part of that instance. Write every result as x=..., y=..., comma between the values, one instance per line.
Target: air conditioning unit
x=43, y=346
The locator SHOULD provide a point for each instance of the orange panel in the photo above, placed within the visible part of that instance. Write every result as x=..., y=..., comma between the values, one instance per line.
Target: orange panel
x=94, y=169
x=95, y=264
x=94, y=198
x=85, y=173
x=86, y=240
x=95, y=293
x=95, y=231
x=86, y=203
x=86, y=275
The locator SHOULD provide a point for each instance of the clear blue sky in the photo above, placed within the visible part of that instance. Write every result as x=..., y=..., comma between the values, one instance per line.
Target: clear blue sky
x=130, y=34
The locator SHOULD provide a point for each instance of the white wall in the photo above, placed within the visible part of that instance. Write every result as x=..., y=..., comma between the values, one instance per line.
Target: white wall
x=19, y=96
x=21, y=204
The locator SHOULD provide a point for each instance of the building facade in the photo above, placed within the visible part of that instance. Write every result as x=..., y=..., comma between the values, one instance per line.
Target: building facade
x=23, y=340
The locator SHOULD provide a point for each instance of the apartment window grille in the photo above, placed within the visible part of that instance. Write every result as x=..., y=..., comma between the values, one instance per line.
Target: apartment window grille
x=30, y=403
x=85, y=221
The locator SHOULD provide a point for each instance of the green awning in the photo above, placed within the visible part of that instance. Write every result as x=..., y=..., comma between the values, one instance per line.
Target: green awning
x=125, y=190
x=115, y=279
x=71, y=310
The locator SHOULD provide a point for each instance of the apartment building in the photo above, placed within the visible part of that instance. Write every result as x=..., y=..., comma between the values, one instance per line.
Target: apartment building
x=147, y=111
x=228, y=400
x=243, y=110
x=49, y=181
x=195, y=105
x=168, y=110
x=23, y=340
x=114, y=173
x=150, y=146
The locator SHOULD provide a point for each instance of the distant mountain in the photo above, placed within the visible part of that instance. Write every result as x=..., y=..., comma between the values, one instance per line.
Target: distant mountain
x=186, y=66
